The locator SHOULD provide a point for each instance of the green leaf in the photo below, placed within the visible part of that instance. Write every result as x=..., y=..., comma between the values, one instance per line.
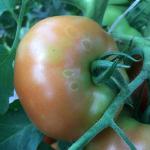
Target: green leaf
x=6, y=5
x=6, y=79
x=16, y=131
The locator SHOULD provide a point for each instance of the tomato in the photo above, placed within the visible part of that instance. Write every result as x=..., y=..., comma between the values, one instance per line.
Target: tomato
x=123, y=27
x=53, y=79
x=109, y=140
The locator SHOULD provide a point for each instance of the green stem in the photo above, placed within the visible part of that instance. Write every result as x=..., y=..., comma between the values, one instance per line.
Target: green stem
x=19, y=24
x=125, y=93
x=93, y=9
x=141, y=43
x=90, y=134
x=13, y=14
x=121, y=133
x=110, y=113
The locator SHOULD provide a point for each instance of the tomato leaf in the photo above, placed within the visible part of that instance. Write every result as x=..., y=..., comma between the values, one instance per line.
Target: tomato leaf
x=6, y=5
x=6, y=79
x=17, y=132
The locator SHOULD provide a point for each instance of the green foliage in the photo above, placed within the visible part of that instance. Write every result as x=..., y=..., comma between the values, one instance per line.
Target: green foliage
x=17, y=132
x=6, y=79
x=6, y=5
x=44, y=146
x=7, y=32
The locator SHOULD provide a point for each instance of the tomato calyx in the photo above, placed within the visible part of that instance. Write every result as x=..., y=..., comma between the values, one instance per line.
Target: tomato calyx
x=108, y=71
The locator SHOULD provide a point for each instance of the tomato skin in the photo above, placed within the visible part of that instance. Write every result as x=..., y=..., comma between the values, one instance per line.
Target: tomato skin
x=137, y=132
x=52, y=76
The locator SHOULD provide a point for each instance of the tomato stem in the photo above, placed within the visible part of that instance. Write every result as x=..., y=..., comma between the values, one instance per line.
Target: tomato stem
x=93, y=9
x=90, y=134
x=111, y=112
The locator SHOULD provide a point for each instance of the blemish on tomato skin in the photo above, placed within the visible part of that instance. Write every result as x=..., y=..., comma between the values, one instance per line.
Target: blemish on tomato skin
x=67, y=73
x=74, y=86
x=72, y=78
x=71, y=32
x=71, y=73
x=86, y=44
x=43, y=117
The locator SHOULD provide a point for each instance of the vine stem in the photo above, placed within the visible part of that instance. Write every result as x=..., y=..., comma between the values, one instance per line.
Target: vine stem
x=19, y=24
x=111, y=112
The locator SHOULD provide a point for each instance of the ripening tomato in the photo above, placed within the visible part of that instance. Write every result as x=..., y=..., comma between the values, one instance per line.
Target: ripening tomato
x=137, y=132
x=52, y=75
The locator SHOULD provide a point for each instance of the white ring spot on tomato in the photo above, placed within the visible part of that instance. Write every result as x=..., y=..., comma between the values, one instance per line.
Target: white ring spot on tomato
x=72, y=32
x=74, y=86
x=71, y=73
x=86, y=44
x=67, y=73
